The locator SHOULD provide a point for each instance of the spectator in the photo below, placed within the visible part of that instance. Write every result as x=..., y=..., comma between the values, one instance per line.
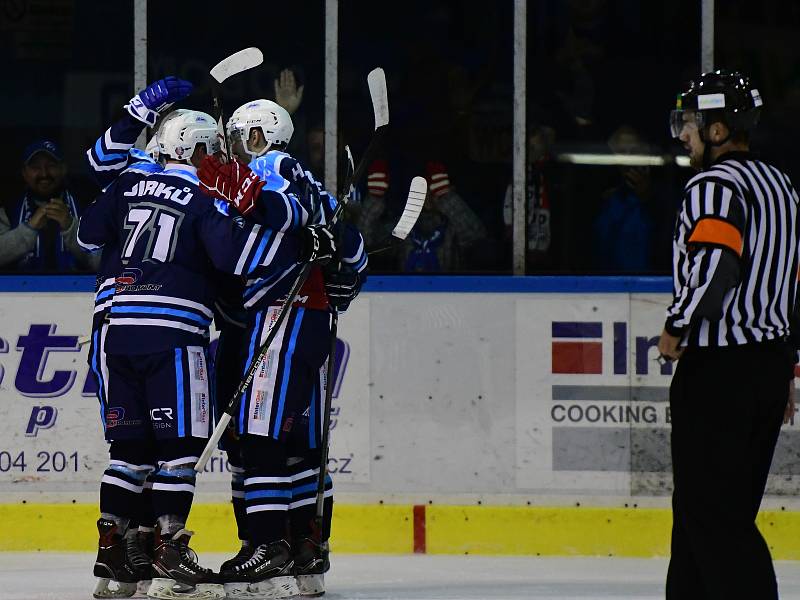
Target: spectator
x=623, y=231
x=539, y=200
x=448, y=236
x=39, y=231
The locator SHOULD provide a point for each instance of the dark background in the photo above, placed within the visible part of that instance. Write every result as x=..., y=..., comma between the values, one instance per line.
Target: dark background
x=593, y=65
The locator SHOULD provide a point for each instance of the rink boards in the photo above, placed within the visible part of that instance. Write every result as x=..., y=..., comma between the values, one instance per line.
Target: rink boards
x=481, y=415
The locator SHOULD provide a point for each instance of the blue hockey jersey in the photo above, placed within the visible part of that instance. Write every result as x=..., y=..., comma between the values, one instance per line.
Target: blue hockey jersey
x=170, y=238
x=286, y=204
x=113, y=154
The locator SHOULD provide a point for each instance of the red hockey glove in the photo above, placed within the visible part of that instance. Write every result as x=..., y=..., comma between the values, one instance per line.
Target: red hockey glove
x=233, y=182
x=438, y=179
x=378, y=178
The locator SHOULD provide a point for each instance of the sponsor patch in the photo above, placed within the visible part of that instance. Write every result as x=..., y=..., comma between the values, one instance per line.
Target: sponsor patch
x=709, y=101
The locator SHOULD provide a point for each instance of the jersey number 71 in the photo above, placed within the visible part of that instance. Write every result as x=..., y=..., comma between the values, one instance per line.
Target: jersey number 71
x=156, y=224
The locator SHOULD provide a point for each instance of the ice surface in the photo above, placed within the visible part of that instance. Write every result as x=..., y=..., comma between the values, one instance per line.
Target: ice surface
x=61, y=576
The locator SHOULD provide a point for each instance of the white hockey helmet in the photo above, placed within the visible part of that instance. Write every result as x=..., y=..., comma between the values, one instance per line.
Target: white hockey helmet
x=179, y=135
x=271, y=118
x=152, y=147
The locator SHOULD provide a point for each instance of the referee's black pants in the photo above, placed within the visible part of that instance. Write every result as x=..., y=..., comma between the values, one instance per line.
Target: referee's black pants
x=726, y=407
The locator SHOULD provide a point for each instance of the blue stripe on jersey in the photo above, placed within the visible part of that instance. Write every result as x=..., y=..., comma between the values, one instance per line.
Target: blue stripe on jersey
x=112, y=157
x=293, y=212
x=312, y=419
x=332, y=203
x=105, y=294
x=96, y=370
x=202, y=320
x=140, y=155
x=360, y=264
x=251, y=351
x=259, y=283
x=267, y=494
x=144, y=167
x=258, y=253
x=287, y=367
x=179, y=387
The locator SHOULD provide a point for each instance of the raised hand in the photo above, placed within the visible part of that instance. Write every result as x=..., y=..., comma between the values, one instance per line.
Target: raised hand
x=158, y=97
x=287, y=93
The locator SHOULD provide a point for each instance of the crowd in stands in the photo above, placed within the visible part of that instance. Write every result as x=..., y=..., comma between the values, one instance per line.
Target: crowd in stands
x=451, y=122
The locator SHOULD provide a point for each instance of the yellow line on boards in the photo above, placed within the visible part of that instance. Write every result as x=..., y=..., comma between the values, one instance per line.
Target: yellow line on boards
x=389, y=529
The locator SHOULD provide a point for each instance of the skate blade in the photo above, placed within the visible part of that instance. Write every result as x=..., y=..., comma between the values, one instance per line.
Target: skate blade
x=141, y=588
x=311, y=585
x=269, y=589
x=163, y=589
x=107, y=588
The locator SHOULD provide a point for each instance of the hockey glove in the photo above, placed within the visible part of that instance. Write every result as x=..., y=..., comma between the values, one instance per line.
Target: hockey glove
x=316, y=244
x=234, y=182
x=156, y=98
x=342, y=285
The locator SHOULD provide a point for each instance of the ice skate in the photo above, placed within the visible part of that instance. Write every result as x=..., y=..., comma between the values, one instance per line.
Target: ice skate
x=176, y=573
x=244, y=554
x=139, y=545
x=266, y=575
x=311, y=562
x=116, y=577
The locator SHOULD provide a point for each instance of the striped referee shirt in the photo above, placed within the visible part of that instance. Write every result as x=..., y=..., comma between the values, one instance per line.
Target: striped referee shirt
x=741, y=212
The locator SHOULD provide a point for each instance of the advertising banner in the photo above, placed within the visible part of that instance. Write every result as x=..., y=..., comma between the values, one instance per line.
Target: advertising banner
x=51, y=435
x=503, y=397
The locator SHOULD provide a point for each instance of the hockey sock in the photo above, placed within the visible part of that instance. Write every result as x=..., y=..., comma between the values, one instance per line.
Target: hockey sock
x=123, y=481
x=304, y=473
x=266, y=489
x=237, y=499
x=174, y=481
x=147, y=517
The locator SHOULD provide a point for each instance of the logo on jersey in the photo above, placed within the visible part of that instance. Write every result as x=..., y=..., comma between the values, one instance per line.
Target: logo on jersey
x=161, y=414
x=128, y=277
x=115, y=416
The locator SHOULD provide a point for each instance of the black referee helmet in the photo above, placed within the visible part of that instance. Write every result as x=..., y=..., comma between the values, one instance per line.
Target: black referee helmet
x=718, y=96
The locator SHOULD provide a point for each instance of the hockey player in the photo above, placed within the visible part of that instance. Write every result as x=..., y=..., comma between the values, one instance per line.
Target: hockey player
x=169, y=237
x=111, y=155
x=281, y=414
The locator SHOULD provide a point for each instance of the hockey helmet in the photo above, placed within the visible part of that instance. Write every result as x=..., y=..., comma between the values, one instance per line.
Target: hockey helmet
x=271, y=118
x=717, y=96
x=178, y=136
x=152, y=148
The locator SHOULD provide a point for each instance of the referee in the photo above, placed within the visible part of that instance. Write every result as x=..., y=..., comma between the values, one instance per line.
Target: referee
x=735, y=267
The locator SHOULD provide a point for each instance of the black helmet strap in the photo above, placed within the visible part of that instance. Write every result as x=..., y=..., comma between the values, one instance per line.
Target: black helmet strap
x=708, y=144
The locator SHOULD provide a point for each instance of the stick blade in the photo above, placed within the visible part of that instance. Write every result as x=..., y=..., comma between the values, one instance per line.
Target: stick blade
x=380, y=97
x=351, y=171
x=236, y=63
x=414, y=204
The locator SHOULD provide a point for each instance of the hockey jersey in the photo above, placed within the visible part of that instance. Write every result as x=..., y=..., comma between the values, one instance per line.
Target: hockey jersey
x=170, y=238
x=113, y=154
x=287, y=203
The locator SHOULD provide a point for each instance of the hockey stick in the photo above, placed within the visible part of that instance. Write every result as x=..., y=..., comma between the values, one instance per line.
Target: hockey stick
x=414, y=203
x=326, y=406
x=377, y=87
x=227, y=67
